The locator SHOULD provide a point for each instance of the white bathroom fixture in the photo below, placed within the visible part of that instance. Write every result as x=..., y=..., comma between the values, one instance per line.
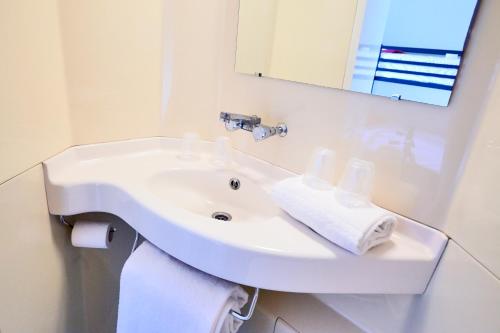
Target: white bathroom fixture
x=249, y=240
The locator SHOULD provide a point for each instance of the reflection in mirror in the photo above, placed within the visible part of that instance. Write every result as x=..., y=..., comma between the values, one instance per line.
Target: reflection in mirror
x=403, y=49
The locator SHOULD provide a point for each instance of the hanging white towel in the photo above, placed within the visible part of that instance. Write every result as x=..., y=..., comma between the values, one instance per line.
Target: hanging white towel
x=356, y=229
x=159, y=294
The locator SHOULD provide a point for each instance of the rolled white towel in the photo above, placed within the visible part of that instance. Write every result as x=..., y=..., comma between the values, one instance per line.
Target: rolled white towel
x=160, y=294
x=356, y=229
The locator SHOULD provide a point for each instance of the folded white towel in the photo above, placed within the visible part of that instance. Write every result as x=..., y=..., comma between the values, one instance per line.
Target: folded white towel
x=161, y=294
x=356, y=229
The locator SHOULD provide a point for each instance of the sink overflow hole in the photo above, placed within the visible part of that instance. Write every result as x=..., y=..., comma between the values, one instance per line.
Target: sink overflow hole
x=222, y=216
x=234, y=183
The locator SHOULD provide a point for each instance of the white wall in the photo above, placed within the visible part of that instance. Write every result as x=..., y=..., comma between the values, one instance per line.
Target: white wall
x=193, y=34
x=34, y=117
x=40, y=286
x=40, y=279
x=474, y=218
x=113, y=59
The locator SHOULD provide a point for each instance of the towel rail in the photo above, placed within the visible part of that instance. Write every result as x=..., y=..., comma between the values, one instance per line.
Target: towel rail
x=236, y=314
x=251, y=309
x=136, y=241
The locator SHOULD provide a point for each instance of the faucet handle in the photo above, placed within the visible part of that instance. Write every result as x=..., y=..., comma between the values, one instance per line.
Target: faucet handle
x=281, y=129
x=262, y=132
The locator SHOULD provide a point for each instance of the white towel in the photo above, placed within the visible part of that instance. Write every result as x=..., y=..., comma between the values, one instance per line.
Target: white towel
x=161, y=294
x=356, y=229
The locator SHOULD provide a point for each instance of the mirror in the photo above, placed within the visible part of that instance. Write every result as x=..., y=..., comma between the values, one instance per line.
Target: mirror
x=402, y=49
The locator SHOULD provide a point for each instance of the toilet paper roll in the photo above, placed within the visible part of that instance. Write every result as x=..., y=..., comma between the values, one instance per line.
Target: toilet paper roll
x=90, y=234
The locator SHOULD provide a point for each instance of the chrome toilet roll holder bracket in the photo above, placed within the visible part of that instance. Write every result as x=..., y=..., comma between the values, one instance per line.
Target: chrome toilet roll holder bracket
x=112, y=230
x=63, y=221
x=235, y=314
x=69, y=225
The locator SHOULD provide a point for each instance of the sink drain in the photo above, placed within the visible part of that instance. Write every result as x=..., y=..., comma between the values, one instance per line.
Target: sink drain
x=222, y=216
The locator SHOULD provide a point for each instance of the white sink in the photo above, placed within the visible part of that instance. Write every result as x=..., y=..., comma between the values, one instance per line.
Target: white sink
x=171, y=201
x=205, y=192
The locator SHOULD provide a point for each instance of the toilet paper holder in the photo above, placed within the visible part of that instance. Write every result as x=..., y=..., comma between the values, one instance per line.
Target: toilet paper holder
x=111, y=231
x=236, y=314
x=66, y=223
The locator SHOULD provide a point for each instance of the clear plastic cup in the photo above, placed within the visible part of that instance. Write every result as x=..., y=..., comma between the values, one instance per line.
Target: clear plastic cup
x=355, y=186
x=320, y=169
x=222, y=155
x=190, y=147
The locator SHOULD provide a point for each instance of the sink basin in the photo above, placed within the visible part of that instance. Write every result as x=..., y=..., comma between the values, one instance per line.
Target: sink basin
x=209, y=192
x=171, y=201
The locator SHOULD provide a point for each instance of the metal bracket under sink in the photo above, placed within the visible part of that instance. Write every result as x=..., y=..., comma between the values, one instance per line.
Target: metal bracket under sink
x=251, y=309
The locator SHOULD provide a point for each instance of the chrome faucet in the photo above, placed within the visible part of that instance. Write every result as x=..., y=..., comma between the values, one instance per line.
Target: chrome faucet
x=233, y=122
